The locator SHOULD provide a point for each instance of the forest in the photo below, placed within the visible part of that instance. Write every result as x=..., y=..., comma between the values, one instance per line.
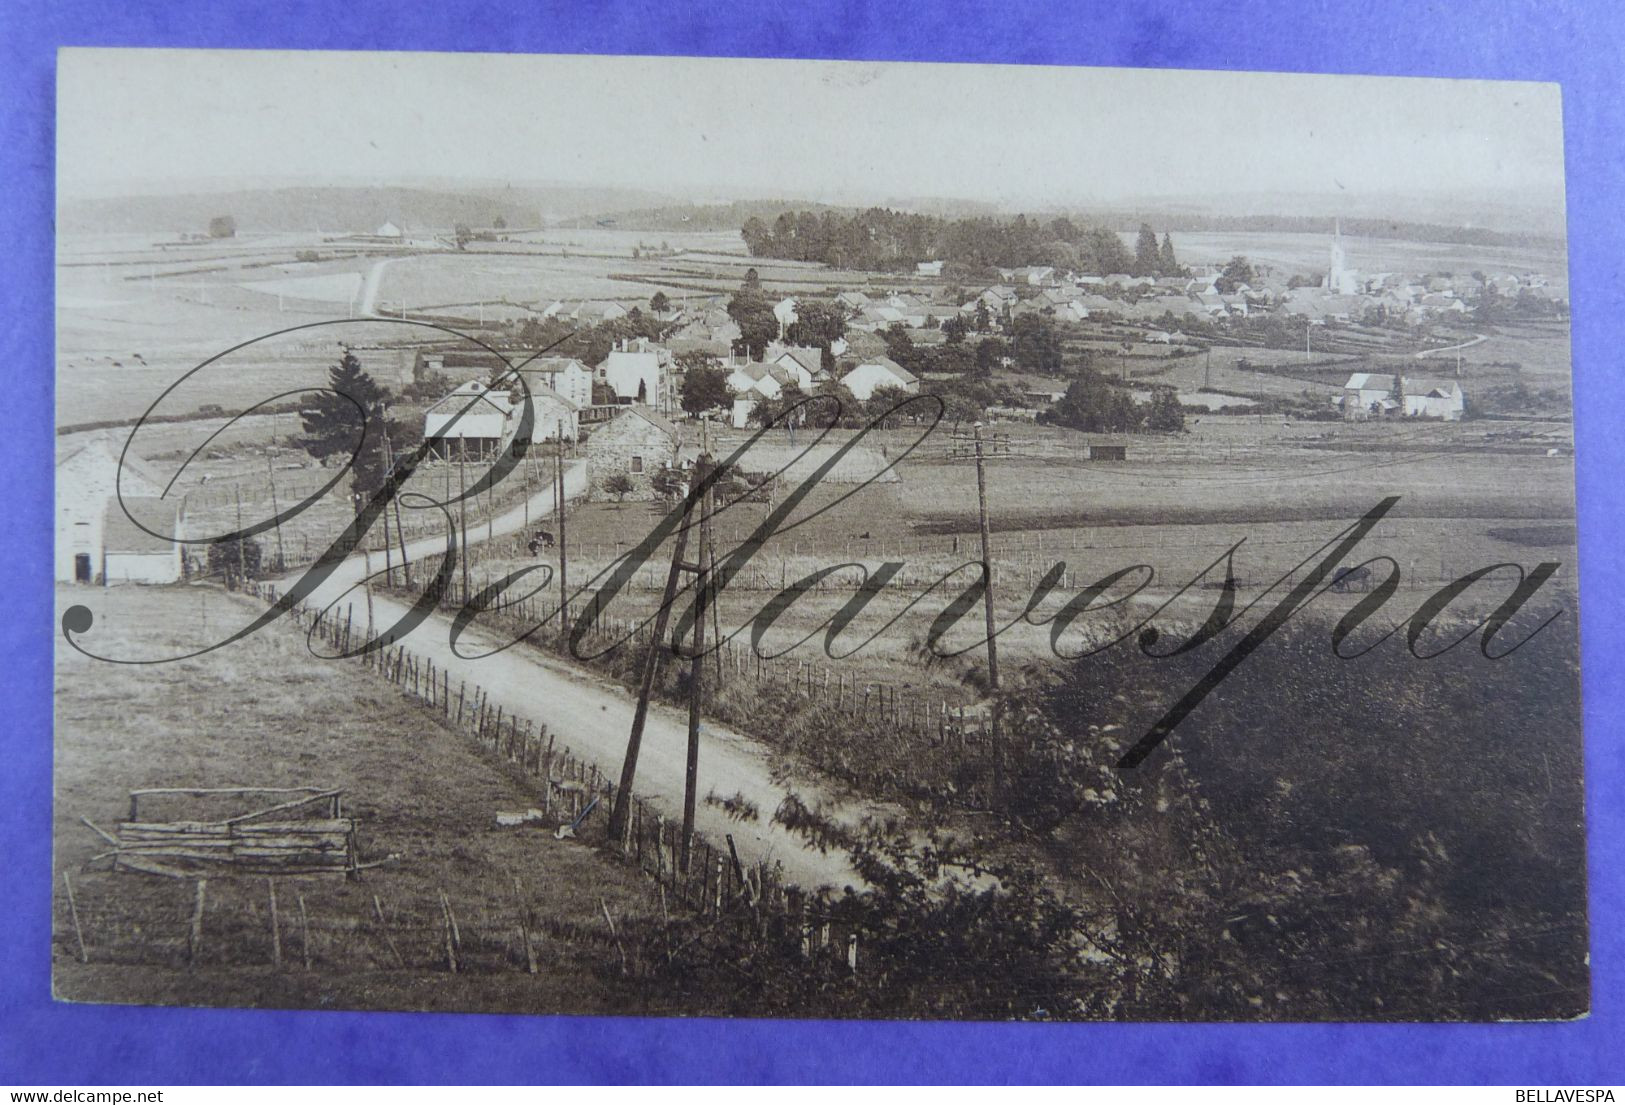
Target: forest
x=880, y=239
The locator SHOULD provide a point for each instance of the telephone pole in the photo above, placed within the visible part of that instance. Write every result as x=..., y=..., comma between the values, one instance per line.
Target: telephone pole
x=987, y=604
x=696, y=667
x=564, y=559
x=462, y=506
x=619, y=818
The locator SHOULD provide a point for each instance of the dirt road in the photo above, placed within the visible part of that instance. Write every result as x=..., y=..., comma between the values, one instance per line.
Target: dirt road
x=593, y=717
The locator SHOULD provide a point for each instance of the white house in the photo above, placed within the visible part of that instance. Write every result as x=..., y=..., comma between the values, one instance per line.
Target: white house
x=88, y=481
x=758, y=380
x=634, y=376
x=928, y=268
x=879, y=374
x=785, y=311
x=1442, y=399
x=566, y=376
x=805, y=363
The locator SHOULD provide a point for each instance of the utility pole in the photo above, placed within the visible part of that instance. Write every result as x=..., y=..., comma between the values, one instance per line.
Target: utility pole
x=987, y=603
x=395, y=505
x=270, y=475
x=389, y=562
x=242, y=554
x=620, y=814
x=558, y=512
x=462, y=506
x=696, y=667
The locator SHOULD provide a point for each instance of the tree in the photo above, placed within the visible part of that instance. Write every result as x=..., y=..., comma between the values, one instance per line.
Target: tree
x=668, y=483
x=984, y=318
x=463, y=234
x=753, y=314
x=955, y=329
x=1146, y=257
x=819, y=323
x=234, y=559
x=350, y=412
x=1167, y=264
x=1035, y=345
x=222, y=226
x=1399, y=394
x=899, y=346
x=705, y=387
x=1165, y=414
x=660, y=303
x=620, y=485
x=1094, y=406
x=499, y=223
x=1238, y=272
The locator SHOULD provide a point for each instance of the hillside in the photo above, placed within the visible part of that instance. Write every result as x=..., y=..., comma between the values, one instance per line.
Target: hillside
x=343, y=209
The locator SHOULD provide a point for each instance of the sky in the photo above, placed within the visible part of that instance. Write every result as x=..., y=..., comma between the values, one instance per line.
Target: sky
x=845, y=132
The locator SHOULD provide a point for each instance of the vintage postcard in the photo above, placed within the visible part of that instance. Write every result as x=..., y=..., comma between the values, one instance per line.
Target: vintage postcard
x=727, y=537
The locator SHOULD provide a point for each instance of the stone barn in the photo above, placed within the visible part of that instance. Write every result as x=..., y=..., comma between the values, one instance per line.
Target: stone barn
x=637, y=443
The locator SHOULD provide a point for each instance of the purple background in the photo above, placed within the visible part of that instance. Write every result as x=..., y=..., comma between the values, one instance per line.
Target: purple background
x=1578, y=45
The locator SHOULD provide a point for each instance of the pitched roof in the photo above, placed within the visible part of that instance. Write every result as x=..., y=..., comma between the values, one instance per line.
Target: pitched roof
x=649, y=415
x=890, y=366
x=121, y=535
x=473, y=392
x=552, y=365
x=102, y=447
x=808, y=357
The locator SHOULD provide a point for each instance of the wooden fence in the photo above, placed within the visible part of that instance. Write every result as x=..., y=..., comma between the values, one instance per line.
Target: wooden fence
x=507, y=932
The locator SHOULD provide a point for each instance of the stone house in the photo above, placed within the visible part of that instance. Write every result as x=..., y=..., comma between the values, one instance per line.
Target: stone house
x=637, y=444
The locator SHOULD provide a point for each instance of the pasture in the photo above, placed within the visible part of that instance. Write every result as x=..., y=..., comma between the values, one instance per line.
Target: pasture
x=265, y=712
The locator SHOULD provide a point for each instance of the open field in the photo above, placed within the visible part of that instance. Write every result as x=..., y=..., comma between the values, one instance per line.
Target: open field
x=1471, y=495
x=1306, y=253
x=264, y=712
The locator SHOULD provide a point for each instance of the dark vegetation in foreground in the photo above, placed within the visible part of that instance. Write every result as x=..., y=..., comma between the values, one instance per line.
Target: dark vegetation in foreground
x=1381, y=838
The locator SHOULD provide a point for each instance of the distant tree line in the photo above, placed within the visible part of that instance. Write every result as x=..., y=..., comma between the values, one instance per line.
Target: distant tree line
x=882, y=239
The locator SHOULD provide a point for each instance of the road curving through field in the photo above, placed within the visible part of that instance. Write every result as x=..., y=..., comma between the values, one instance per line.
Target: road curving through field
x=593, y=716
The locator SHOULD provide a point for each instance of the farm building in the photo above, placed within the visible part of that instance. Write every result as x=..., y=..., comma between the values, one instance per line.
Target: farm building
x=471, y=422
x=91, y=527
x=879, y=374
x=636, y=444
x=148, y=552
x=1368, y=394
x=1108, y=452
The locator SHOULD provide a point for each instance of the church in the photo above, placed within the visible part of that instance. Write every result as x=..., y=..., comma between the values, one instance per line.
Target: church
x=1340, y=279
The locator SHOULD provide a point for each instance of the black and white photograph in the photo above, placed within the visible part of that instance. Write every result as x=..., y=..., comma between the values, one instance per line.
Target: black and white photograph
x=712, y=537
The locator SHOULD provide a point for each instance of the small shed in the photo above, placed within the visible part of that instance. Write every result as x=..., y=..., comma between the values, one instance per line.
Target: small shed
x=1108, y=452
